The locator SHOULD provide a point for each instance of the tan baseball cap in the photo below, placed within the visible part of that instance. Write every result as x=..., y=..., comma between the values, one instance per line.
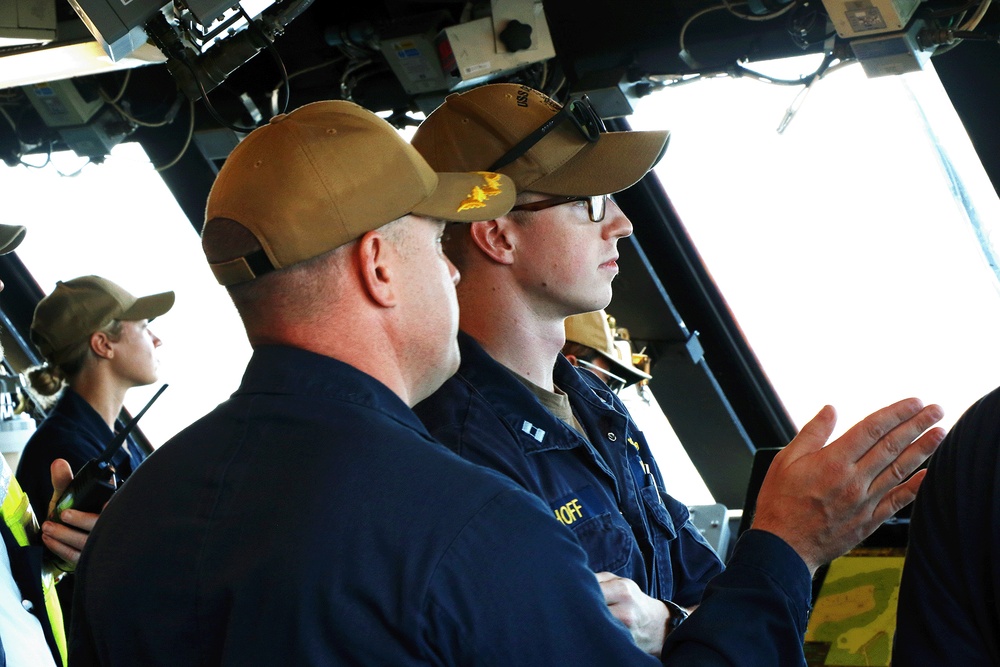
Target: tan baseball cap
x=11, y=237
x=327, y=173
x=593, y=330
x=474, y=129
x=65, y=319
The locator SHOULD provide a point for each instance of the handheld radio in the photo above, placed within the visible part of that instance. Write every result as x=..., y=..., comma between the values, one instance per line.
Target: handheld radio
x=96, y=481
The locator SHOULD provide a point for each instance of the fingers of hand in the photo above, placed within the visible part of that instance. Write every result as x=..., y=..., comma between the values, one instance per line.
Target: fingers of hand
x=617, y=590
x=908, y=460
x=901, y=450
x=863, y=486
x=64, y=552
x=897, y=419
x=877, y=490
x=811, y=438
x=61, y=475
x=83, y=520
x=65, y=538
x=899, y=497
x=627, y=603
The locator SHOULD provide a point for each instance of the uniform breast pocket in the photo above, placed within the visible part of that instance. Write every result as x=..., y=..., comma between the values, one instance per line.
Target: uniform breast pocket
x=607, y=542
x=666, y=512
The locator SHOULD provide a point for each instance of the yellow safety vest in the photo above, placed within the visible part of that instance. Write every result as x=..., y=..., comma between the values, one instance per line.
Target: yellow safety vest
x=16, y=512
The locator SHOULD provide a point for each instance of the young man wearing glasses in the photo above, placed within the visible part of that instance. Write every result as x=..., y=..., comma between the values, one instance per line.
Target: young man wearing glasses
x=517, y=406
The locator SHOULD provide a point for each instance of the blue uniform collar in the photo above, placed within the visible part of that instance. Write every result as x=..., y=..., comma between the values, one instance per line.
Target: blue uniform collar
x=584, y=385
x=289, y=371
x=537, y=428
x=76, y=413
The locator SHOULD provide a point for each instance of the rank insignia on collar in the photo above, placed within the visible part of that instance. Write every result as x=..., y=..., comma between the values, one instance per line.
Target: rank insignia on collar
x=532, y=430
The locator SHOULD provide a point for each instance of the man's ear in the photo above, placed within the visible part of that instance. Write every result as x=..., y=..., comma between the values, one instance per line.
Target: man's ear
x=571, y=358
x=374, y=255
x=494, y=239
x=101, y=345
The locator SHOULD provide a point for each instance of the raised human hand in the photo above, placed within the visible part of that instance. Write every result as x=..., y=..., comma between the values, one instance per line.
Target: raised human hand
x=823, y=500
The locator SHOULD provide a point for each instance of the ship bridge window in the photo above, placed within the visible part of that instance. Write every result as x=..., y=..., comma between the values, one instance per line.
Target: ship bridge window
x=855, y=247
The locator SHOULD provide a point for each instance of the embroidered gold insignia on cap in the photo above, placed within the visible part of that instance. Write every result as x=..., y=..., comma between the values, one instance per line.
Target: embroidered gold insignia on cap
x=480, y=193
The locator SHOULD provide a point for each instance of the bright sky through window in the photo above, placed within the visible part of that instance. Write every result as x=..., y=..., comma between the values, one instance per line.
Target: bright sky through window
x=841, y=245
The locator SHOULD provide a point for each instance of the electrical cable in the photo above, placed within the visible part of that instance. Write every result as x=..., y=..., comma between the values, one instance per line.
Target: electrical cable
x=543, y=76
x=800, y=97
x=184, y=60
x=975, y=19
x=691, y=19
x=847, y=62
x=345, y=91
x=169, y=118
x=187, y=142
x=128, y=75
x=556, y=85
x=802, y=80
x=313, y=68
x=947, y=39
x=48, y=159
x=124, y=113
x=20, y=143
x=757, y=17
x=78, y=171
x=353, y=51
x=681, y=81
x=802, y=23
x=305, y=70
x=10, y=120
x=165, y=37
x=274, y=54
x=951, y=11
x=729, y=6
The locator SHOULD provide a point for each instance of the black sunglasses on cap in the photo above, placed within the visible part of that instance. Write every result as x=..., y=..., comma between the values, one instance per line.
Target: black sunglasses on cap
x=580, y=112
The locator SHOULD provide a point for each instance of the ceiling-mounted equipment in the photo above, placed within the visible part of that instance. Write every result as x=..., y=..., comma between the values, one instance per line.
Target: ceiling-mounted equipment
x=118, y=26
x=27, y=22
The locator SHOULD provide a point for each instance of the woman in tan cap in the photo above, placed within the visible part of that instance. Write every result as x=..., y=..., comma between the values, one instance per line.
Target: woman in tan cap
x=97, y=345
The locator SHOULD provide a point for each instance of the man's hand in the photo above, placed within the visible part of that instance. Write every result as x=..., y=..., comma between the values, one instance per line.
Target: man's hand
x=824, y=500
x=66, y=541
x=645, y=617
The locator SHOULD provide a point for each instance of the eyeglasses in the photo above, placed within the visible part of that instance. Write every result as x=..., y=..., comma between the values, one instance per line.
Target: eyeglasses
x=615, y=382
x=596, y=205
x=579, y=112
